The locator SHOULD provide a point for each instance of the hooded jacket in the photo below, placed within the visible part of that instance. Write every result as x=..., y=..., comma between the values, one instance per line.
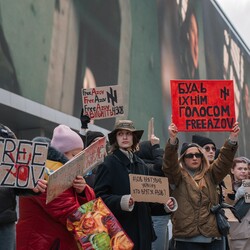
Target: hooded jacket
x=43, y=227
x=193, y=216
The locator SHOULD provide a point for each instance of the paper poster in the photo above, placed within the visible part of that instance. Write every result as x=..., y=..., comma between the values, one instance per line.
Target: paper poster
x=147, y=188
x=203, y=105
x=22, y=162
x=103, y=102
x=81, y=164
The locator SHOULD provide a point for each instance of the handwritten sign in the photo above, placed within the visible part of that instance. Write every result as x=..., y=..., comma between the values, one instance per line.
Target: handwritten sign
x=81, y=164
x=202, y=105
x=147, y=188
x=22, y=162
x=95, y=153
x=103, y=102
x=246, y=185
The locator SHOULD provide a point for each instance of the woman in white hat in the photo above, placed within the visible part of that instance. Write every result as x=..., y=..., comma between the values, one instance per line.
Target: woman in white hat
x=112, y=185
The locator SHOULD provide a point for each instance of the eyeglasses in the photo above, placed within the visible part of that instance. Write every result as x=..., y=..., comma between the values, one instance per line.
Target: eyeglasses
x=191, y=156
x=207, y=148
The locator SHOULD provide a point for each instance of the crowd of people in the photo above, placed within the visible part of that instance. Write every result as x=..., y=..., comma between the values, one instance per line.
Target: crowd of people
x=194, y=173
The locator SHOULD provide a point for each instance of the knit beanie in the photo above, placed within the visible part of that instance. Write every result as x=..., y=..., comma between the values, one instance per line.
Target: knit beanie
x=202, y=140
x=187, y=145
x=64, y=139
x=91, y=136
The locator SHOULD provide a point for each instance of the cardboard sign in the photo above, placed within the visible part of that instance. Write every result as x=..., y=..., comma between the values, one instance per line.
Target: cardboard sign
x=95, y=227
x=62, y=178
x=22, y=162
x=228, y=183
x=95, y=153
x=246, y=185
x=202, y=105
x=150, y=128
x=103, y=102
x=81, y=164
x=147, y=188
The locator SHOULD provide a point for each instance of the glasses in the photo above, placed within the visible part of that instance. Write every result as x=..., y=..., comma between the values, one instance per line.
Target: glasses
x=191, y=156
x=207, y=148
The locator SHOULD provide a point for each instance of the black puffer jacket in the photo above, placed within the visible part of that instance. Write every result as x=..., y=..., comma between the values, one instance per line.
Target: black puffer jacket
x=152, y=156
x=8, y=203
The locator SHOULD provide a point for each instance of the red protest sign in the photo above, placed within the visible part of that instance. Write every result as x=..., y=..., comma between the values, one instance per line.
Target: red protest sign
x=203, y=105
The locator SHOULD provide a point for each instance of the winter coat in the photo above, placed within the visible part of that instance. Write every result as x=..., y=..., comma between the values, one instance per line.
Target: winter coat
x=43, y=227
x=112, y=182
x=193, y=216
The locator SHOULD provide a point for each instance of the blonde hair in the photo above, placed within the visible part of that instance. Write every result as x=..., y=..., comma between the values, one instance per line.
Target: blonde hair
x=199, y=175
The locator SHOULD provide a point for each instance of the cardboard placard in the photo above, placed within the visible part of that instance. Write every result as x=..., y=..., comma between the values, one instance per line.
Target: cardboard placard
x=246, y=185
x=81, y=164
x=147, y=188
x=95, y=226
x=22, y=162
x=203, y=105
x=150, y=128
x=103, y=102
x=62, y=178
x=95, y=153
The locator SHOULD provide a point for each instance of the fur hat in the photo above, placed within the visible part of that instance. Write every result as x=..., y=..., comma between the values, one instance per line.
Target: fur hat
x=6, y=132
x=91, y=136
x=64, y=139
x=187, y=145
x=202, y=140
x=124, y=125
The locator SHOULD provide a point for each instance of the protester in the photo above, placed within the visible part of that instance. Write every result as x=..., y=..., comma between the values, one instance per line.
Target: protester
x=240, y=231
x=194, y=182
x=151, y=153
x=112, y=185
x=41, y=225
x=8, y=214
x=207, y=144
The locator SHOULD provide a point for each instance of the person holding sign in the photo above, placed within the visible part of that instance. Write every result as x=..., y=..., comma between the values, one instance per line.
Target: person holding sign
x=41, y=225
x=152, y=154
x=240, y=231
x=113, y=186
x=194, y=182
x=8, y=214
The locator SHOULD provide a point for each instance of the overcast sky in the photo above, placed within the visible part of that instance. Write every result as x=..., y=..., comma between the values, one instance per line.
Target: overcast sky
x=237, y=12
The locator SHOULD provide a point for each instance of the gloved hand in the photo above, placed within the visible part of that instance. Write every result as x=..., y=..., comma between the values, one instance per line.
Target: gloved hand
x=84, y=120
x=240, y=192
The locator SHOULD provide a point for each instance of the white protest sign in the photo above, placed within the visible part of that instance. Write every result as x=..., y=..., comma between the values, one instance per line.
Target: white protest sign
x=147, y=188
x=246, y=185
x=81, y=164
x=103, y=102
x=22, y=162
x=150, y=128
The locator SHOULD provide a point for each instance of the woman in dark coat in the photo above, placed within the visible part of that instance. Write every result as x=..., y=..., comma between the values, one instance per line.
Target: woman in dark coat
x=112, y=185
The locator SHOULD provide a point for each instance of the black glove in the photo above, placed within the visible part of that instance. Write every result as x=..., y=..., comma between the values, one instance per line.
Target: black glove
x=84, y=120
